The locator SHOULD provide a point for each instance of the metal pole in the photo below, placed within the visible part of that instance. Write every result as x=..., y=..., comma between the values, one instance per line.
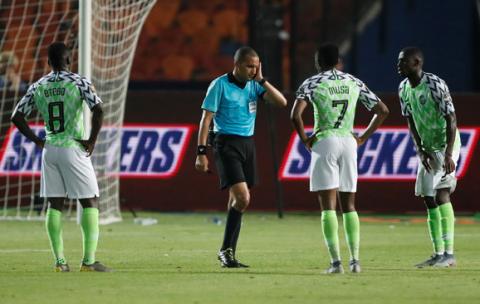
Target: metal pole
x=84, y=64
x=258, y=10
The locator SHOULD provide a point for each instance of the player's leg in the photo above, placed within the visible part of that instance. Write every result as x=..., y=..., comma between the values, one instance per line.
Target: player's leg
x=448, y=225
x=434, y=226
x=424, y=187
x=348, y=187
x=327, y=200
x=351, y=225
x=90, y=229
x=90, y=234
x=81, y=184
x=324, y=180
x=435, y=231
x=444, y=186
x=53, y=188
x=53, y=224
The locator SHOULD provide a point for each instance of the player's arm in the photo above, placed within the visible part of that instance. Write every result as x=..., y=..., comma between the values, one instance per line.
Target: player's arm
x=451, y=129
x=271, y=95
x=18, y=119
x=201, y=162
x=97, y=121
x=413, y=130
x=297, y=121
x=424, y=156
x=23, y=109
x=407, y=113
x=381, y=112
x=94, y=103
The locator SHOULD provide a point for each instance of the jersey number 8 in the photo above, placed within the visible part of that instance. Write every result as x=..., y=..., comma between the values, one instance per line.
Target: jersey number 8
x=55, y=113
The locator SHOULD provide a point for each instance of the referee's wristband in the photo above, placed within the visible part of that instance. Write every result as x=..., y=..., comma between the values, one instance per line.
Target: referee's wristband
x=262, y=81
x=201, y=150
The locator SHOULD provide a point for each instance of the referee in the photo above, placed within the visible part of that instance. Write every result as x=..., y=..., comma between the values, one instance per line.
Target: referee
x=231, y=102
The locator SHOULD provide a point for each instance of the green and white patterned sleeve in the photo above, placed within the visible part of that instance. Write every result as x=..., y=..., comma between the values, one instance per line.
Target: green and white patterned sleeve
x=440, y=94
x=367, y=97
x=405, y=107
x=88, y=92
x=27, y=103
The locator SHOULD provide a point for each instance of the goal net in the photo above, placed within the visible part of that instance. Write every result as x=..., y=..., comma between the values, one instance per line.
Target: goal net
x=27, y=27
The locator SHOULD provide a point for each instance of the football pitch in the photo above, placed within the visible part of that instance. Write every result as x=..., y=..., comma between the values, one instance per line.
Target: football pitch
x=175, y=261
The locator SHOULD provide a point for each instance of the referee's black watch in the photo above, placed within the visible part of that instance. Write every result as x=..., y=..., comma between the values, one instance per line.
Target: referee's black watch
x=262, y=81
x=201, y=150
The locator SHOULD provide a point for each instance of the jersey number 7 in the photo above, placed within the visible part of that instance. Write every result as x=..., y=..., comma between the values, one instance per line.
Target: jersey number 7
x=344, y=103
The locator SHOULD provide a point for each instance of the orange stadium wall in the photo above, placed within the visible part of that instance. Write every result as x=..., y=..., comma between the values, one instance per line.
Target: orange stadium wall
x=188, y=190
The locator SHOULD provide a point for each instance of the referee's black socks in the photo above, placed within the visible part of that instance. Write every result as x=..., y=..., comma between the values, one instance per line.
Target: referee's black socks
x=232, y=228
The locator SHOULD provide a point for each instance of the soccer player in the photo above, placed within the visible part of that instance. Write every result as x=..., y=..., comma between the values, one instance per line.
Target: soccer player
x=231, y=102
x=427, y=105
x=334, y=95
x=67, y=170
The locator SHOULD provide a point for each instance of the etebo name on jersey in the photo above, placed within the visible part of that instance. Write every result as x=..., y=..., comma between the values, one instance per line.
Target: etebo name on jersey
x=146, y=151
x=389, y=154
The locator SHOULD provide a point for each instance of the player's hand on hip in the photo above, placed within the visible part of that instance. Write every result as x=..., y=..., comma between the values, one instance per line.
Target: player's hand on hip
x=201, y=164
x=449, y=164
x=359, y=139
x=40, y=143
x=425, y=158
x=309, y=142
x=87, y=145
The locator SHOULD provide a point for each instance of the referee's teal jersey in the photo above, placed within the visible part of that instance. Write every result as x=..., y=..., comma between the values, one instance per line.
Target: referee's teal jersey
x=234, y=105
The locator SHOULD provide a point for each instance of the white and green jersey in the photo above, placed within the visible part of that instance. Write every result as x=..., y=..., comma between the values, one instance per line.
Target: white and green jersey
x=334, y=97
x=59, y=97
x=428, y=104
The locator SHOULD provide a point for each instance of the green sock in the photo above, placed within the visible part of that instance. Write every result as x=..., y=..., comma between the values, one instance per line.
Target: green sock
x=53, y=224
x=351, y=224
x=90, y=234
x=435, y=230
x=330, y=233
x=448, y=224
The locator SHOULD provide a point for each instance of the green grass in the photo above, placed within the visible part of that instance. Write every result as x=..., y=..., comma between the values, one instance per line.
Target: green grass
x=175, y=262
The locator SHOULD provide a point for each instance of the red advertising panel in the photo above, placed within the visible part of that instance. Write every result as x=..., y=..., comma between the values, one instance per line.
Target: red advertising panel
x=389, y=154
x=146, y=151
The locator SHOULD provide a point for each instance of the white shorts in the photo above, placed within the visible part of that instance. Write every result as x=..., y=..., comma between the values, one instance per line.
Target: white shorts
x=67, y=172
x=334, y=164
x=428, y=183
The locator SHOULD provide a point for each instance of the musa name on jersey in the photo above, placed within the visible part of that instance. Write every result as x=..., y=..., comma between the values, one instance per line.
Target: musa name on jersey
x=59, y=97
x=334, y=97
x=428, y=104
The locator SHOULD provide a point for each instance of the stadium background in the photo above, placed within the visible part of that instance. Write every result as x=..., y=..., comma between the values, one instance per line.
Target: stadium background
x=185, y=44
x=370, y=33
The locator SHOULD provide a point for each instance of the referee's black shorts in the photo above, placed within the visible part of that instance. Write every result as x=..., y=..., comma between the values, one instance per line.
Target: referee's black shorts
x=235, y=158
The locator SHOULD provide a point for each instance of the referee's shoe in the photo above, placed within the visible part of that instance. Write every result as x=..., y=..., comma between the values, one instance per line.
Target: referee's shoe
x=227, y=259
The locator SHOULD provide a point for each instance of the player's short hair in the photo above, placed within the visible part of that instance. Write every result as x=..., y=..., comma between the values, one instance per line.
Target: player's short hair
x=58, y=53
x=244, y=52
x=326, y=56
x=413, y=51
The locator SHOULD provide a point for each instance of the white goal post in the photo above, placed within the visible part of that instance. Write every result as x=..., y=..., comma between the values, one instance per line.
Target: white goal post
x=110, y=38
